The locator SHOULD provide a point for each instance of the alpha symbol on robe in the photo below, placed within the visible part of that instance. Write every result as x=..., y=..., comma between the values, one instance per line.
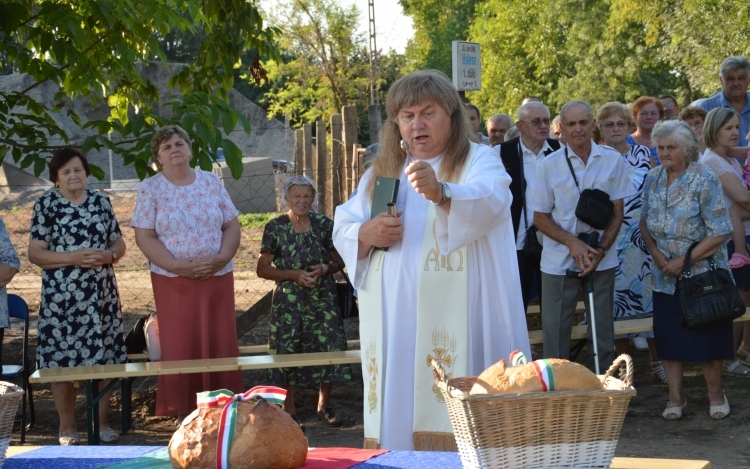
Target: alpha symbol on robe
x=445, y=354
x=372, y=370
x=437, y=261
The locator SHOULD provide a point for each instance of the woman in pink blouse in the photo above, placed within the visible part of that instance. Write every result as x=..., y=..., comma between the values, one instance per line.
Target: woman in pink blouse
x=186, y=225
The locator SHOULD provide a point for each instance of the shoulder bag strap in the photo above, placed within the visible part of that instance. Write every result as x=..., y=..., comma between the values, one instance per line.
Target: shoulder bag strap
x=523, y=186
x=571, y=169
x=687, y=270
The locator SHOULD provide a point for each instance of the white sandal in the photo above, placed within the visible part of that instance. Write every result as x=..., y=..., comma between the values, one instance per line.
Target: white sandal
x=674, y=411
x=743, y=356
x=720, y=409
x=657, y=369
x=729, y=370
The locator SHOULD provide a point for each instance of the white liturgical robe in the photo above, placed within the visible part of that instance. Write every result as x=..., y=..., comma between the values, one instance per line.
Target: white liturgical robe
x=479, y=219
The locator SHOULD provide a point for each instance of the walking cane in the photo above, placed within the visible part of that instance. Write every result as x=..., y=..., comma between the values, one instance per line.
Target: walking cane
x=591, y=239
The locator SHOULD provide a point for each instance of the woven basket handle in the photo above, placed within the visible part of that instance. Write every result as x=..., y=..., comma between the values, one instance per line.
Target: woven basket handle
x=628, y=380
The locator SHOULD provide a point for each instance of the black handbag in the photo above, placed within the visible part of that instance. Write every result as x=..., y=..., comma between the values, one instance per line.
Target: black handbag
x=594, y=206
x=709, y=298
x=135, y=341
x=532, y=249
x=347, y=300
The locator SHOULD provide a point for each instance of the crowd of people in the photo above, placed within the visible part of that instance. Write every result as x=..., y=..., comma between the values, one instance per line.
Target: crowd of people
x=483, y=224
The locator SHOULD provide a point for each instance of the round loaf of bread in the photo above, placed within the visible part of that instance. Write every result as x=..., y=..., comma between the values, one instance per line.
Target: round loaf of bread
x=265, y=437
x=567, y=375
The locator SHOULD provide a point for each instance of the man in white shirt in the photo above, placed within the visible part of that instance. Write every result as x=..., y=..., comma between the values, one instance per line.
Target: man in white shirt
x=476, y=119
x=554, y=201
x=530, y=148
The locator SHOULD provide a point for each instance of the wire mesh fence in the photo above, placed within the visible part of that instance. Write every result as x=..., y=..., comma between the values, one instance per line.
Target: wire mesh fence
x=257, y=195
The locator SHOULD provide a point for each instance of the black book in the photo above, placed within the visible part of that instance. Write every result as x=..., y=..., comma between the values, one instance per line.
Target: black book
x=386, y=192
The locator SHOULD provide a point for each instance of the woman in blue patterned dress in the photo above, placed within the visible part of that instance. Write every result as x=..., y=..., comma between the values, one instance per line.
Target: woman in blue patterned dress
x=633, y=273
x=75, y=239
x=683, y=204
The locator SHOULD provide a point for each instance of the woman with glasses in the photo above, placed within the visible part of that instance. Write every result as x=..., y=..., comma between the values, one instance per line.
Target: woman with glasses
x=297, y=252
x=633, y=273
x=647, y=112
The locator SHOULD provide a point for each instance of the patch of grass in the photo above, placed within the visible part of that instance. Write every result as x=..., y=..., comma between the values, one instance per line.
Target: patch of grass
x=256, y=220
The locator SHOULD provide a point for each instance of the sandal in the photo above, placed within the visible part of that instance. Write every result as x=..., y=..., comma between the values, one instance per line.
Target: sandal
x=331, y=416
x=743, y=356
x=718, y=412
x=298, y=422
x=729, y=370
x=676, y=411
x=738, y=260
x=108, y=436
x=657, y=369
x=69, y=439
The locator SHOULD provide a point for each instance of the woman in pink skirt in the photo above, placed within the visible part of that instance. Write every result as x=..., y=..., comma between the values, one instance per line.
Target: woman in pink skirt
x=186, y=225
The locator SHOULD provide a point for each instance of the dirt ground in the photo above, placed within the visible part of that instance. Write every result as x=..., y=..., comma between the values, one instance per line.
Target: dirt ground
x=726, y=443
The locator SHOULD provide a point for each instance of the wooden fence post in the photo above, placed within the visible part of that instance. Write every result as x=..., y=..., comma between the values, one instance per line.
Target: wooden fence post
x=307, y=132
x=299, y=143
x=351, y=131
x=336, y=162
x=320, y=144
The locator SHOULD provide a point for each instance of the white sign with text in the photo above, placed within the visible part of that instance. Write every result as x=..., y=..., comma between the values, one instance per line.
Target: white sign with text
x=467, y=66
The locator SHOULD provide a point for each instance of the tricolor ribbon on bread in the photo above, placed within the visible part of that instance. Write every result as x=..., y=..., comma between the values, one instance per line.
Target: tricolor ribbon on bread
x=229, y=400
x=545, y=374
x=517, y=358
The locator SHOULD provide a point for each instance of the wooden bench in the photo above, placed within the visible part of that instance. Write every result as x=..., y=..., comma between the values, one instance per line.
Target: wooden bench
x=92, y=375
x=244, y=350
x=126, y=372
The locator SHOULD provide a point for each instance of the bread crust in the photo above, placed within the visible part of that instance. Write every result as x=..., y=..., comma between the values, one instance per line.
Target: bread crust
x=502, y=379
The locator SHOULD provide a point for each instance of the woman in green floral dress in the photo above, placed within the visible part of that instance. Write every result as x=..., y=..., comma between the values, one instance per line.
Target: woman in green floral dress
x=297, y=252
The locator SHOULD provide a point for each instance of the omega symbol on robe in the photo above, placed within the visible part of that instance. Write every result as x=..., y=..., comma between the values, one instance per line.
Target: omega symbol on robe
x=437, y=261
x=444, y=354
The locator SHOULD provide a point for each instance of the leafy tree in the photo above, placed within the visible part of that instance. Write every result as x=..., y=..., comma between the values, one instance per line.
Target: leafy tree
x=325, y=63
x=436, y=24
x=94, y=48
x=529, y=48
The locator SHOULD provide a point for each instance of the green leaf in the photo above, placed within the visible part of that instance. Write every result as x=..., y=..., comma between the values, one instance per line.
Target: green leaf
x=40, y=164
x=136, y=123
x=206, y=164
x=97, y=172
x=233, y=156
x=88, y=144
x=228, y=121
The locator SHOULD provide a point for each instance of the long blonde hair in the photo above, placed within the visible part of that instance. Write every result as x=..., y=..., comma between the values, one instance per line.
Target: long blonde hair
x=416, y=88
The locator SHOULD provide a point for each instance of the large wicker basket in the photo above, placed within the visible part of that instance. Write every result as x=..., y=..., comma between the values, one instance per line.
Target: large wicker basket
x=10, y=396
x=560, y=429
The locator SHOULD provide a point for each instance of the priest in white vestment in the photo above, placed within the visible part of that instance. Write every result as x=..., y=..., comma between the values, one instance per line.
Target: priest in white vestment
x=447, y=288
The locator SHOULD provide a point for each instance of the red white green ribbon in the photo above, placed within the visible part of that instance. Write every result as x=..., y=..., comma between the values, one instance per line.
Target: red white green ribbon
x=227, y=422
x=545, y=374
x=517, y=358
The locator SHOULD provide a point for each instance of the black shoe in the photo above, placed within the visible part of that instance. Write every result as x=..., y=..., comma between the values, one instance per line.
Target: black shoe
x=331, y=416
x=298, y=422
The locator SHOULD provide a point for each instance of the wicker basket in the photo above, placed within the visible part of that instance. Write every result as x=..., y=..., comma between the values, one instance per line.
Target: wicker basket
x=560, y=429
x=10, y=397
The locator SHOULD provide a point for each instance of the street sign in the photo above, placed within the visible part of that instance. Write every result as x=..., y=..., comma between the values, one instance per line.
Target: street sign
x=467, y=66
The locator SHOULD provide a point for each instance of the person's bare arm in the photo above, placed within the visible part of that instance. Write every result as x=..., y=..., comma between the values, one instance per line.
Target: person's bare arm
x=156, y=252
x=40, y=255
x=579, y=251
x=382, y=231
x=735, y=190
x=230, y=242
x=706, y=248
x=7, y=273
x=268, y=271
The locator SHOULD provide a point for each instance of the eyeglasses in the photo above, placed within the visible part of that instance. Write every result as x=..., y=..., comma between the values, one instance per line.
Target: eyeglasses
x=536, y=122
x=611, y=125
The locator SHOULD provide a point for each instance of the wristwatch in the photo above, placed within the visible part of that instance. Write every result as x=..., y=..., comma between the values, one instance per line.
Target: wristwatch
x=602, y=248
x=447, y=194
x=114, y=254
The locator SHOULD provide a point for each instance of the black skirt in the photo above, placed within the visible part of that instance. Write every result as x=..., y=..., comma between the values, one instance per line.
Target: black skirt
x=676, y=342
